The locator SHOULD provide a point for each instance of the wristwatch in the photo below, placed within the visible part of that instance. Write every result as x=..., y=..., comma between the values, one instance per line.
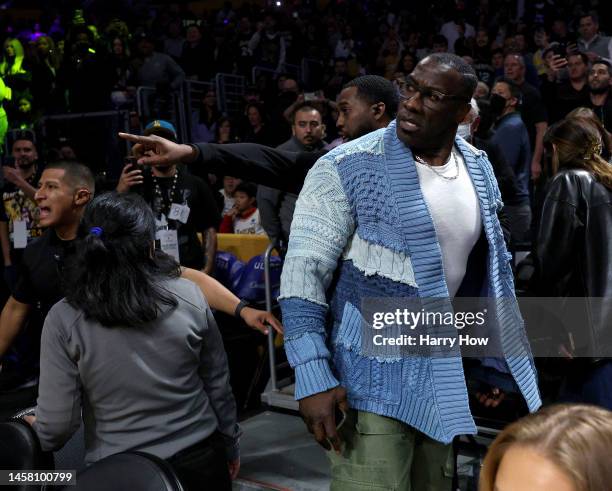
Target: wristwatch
x=239, y=307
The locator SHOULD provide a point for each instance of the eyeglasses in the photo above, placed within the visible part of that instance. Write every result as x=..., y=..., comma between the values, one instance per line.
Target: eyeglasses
x=431, y=97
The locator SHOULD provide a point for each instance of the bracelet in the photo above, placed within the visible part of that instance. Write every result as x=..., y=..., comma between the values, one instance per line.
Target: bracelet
x=241, y=305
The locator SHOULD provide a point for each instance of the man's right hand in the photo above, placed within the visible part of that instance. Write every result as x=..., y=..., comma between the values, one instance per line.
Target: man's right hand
x=129, y=178
x=155, y=150
x=12, y=174
x=557, y=63
x=318, y=412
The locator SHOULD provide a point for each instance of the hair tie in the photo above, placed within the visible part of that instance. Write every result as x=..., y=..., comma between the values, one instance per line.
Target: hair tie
x=97, y=231
x=593, y=150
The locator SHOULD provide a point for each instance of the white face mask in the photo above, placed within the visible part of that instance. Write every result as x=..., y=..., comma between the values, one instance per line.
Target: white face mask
x=465, y=131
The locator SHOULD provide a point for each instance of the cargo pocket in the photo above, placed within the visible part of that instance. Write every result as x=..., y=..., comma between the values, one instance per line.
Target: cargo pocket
x=375, y=455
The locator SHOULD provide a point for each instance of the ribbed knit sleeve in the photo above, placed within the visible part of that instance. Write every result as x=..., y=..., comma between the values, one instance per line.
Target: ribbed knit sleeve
x=322, y=224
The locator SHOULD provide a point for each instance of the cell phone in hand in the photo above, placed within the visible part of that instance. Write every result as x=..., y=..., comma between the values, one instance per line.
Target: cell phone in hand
x=340, y=419
x=133, y=163
x=559, y=50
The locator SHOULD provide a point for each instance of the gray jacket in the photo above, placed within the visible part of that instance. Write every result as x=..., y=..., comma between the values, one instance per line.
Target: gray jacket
x=276, y=207
x=600, y=45
x=160, y=388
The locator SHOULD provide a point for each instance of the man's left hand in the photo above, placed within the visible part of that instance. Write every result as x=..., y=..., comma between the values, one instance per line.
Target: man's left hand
x=493, y=398
x=260, y=320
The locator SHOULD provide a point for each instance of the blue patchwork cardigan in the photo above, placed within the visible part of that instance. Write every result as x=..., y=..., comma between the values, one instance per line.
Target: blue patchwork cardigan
x=362, y=221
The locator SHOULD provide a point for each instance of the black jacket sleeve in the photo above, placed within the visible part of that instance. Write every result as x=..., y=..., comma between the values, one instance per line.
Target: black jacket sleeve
x=560, y=227
x=503, y=172
x=278, y=169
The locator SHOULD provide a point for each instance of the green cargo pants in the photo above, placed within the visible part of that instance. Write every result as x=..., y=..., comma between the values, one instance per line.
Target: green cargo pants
x=380, y=453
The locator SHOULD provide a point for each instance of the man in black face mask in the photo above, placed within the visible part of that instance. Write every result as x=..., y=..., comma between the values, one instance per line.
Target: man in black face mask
x=512, y=137
x=476, y=129
x=18, y=217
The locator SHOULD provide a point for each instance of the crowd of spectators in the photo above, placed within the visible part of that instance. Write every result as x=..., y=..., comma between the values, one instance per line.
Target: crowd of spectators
x=537, y=62
x=94, y=59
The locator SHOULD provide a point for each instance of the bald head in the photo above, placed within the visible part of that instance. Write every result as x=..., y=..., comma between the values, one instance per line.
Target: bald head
x=467, y=76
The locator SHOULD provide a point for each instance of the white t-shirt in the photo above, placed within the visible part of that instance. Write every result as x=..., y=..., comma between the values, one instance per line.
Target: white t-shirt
x=453, y=205
x=249, y=225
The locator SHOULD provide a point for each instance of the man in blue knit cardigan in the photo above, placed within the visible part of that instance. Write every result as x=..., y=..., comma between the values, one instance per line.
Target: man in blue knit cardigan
x=401, y=212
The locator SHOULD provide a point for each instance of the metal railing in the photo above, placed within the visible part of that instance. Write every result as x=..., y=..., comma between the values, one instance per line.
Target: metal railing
x=294, y=71
x=230, y=93
x=278, y=392
x=193, y=93
x=92, y=135
x=152, y=104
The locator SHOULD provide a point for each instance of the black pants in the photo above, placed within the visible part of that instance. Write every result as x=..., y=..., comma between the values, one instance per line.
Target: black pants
x=203, y=466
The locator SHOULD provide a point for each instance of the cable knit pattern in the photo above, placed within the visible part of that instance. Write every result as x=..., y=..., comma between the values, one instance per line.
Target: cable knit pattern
x=374, y=259
x=361, y=229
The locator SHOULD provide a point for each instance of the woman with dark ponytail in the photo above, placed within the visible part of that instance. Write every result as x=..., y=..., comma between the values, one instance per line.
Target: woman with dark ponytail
x=143, y=346
x=115, y=277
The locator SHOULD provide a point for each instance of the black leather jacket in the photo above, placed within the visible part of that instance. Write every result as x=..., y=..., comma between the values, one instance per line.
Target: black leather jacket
x=574, y=250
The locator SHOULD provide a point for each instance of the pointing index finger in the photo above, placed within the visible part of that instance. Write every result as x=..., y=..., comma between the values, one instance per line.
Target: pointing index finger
x=138, y=138
x=130, y=137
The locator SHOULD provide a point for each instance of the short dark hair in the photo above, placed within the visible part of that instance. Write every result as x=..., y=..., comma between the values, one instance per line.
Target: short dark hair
x=13, y=136
x=469, y=79
x=592, y=14
x=76, y=174
x=27, y=135
x=304, y=106
x=515, y=90
x=439, y=39
x=374, y=89
x=583, y=57
x=247, y=188
x=601, y=61
x=257, y=105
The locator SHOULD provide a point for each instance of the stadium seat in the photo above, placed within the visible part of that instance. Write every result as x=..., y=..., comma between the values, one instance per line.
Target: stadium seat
x=243, y=246
x=20, y=450
x=128, y=471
